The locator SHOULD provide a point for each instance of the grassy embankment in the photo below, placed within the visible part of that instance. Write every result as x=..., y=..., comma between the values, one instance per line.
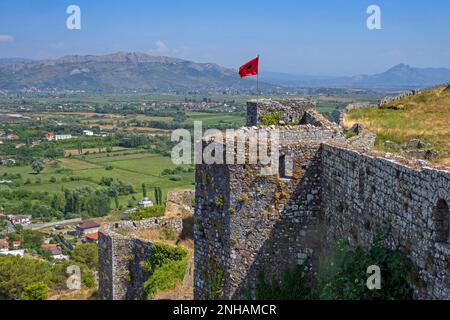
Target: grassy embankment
x=425, y=116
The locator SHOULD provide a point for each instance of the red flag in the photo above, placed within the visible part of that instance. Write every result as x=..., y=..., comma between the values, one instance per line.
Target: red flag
x=250, y=68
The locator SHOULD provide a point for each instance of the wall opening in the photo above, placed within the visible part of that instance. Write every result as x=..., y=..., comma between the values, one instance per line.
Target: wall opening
x=282, y=167
x=441, y=215
x=361, y=183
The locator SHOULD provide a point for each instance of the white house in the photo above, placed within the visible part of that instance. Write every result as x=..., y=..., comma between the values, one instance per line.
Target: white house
x=146, y=202
x=20, y=219
x=20, y=252
x=88, y=133
x=63, y=137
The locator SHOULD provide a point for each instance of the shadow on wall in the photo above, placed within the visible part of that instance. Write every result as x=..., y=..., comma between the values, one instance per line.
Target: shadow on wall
x=294, y=236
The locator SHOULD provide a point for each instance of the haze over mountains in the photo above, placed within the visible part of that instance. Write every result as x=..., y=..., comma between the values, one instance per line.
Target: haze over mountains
x=120, y=72
x=401, y=76
x=126, y=72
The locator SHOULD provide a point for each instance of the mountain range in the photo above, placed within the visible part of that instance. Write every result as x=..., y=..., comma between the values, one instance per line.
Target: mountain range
x=127, y=72
x=120, y=72
x=401, y=76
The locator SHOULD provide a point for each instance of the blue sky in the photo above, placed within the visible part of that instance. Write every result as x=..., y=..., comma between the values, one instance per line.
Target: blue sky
x=307, y=37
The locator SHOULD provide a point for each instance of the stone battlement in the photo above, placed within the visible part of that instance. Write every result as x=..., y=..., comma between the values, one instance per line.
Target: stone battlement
x=289, y=110
x=121, y=275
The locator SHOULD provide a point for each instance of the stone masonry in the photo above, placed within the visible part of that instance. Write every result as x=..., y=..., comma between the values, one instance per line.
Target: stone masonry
x=121, y=275
x=248, y=224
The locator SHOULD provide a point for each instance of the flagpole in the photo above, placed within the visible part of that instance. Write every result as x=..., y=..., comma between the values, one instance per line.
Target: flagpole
x=257, y=79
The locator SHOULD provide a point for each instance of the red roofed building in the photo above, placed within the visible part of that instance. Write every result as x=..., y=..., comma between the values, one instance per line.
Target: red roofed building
x=4, y=244
x=54, y=250
x=50, y=136
x=16, y=244
x=48, y=246
x=87, y=227
x=91, y=237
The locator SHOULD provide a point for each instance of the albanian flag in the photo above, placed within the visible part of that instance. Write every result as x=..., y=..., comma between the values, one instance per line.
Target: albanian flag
x=250, y=68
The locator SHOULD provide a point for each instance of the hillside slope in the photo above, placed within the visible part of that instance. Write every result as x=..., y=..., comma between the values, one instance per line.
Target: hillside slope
x=121, y=72
x=424, y=116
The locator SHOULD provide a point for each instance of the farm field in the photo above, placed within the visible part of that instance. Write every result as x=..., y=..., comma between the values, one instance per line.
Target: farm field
x=214, y=119
x=135, y=168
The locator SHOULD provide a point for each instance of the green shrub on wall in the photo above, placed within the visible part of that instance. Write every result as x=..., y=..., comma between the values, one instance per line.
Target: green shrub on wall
x=146, y=213
x=270, y=118
x=294, y=285
x=166, y=266
x=345, y=277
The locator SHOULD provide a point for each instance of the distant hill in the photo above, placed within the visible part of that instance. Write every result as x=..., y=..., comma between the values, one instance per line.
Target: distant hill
x=13, y=60
x=126, y=72
x=401, y=76
x=121, y=72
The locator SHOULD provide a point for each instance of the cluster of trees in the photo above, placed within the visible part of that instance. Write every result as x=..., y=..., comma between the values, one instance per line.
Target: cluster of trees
x=24, y=278
x=117, y=187
x=24, y=156
x=160, y=144
x=177, y=170
x=84, y=200
x=133, y=140
x=37, y=204
x=158, y=196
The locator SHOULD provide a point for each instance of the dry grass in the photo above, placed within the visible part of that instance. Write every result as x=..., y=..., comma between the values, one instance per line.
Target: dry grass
x=425, y=116
x=81, y=294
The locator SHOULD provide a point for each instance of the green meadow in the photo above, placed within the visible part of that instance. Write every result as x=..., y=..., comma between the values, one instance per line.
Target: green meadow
x=134, y=167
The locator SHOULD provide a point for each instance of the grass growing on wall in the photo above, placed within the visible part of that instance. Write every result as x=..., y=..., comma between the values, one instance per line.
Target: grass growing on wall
x=166, y=266
x=146, y=213
x=270, y=118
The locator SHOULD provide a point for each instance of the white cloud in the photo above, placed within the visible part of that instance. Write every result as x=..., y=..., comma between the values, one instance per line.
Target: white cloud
x=6, y=38
x=161, y=47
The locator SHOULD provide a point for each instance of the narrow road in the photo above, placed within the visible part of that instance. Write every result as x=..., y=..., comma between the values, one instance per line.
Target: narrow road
x=37, y=226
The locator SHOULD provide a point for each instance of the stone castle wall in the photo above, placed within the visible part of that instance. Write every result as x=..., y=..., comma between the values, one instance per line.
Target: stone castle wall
x=121, y=275
x=290, y=110
x=248, y=225
x=245, y=221
x=363, y=195
x=267, y=223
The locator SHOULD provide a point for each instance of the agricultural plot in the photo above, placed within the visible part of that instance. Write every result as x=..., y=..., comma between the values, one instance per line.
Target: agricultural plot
x=215, y=119
x=134, y=168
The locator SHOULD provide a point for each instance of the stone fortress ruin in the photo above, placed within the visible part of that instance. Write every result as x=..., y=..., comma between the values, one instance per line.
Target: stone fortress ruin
x=248, y=224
